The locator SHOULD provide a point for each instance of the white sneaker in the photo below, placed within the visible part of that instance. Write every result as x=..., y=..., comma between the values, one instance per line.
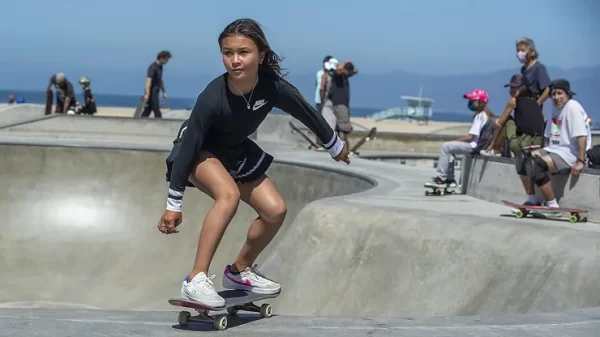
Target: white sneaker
x=201, y=289
x=491, y=153
x=251, y=280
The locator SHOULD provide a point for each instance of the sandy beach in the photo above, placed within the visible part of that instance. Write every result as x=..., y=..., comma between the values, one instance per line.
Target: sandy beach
x=359, y=123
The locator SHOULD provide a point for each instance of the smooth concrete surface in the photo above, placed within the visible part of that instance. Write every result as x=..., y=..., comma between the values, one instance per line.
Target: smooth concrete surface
x=496, y=179
x=383, y=261
x=89, y=217
x=12, y=114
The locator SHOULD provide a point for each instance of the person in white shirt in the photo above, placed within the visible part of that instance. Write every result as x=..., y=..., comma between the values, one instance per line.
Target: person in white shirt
x=567, y=138
x=478, y=103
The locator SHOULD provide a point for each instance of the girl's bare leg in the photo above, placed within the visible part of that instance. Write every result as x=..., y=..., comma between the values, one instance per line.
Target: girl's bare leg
x=262, y=195
x=213, y=179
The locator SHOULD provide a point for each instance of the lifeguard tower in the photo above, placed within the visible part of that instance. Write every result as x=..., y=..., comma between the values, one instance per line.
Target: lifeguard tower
x=418, y=108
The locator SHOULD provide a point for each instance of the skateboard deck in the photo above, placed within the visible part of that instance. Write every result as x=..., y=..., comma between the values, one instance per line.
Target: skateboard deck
x=574, y=214
x=49, y=100
x=313, y=145
x=437, y=190
x=140, y=107
x=370, y=136
x=235, y=300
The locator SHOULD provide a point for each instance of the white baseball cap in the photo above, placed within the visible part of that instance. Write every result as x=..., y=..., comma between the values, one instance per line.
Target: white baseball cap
x=331, y=64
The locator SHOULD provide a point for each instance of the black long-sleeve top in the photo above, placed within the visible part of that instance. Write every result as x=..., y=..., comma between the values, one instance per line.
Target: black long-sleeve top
x=220, y=122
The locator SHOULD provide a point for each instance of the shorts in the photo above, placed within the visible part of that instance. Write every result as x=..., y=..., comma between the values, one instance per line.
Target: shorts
x=518, y=141
x=559, y=163
x=251, y=165
x=342, y=116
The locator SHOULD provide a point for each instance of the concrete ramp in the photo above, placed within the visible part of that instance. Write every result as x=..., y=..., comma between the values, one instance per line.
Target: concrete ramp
x=149, y=132
x=13, y=114
x=83, y=222
x=413, y=264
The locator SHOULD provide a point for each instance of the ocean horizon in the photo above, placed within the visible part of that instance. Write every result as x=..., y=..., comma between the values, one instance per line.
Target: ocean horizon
x=183, y=103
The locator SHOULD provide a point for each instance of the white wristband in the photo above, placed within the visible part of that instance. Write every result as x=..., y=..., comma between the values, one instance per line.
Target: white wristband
x=174, y=205
x=175, y=201
x=337, y=147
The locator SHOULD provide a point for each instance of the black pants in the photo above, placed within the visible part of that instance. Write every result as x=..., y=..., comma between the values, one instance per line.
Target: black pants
x=153, y=105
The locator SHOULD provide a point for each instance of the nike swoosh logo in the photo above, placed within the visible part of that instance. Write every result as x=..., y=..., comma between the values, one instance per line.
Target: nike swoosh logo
x=246, y=283
x=259, y=105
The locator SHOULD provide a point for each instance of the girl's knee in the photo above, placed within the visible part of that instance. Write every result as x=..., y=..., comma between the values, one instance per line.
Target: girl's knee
x=229, y=196
x=276, y=214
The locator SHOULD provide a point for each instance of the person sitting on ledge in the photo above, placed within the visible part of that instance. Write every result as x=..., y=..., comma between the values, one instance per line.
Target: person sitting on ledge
x=567, y=138
x=482, y=116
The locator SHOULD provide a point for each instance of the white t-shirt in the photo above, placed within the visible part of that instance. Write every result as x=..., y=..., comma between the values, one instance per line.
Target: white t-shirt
x=478, y=123
x=562, y=129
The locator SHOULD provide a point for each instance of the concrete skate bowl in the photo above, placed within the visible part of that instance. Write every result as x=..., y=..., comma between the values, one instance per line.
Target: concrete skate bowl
x=82, y=222
x=87, y=227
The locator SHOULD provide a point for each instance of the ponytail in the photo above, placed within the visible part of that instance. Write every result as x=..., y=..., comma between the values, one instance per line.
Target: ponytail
x=271, y=64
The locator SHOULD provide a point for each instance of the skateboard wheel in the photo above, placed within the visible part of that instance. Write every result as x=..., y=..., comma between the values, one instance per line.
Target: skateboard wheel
x=266, y=310
x=232, y=311
x=574, y=218
x=519, y=214
x=183, y=318
x=426, y=193
x=442, y=192
x=221, y=323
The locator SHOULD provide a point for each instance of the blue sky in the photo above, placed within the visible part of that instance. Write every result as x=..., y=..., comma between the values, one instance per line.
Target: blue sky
x=428, y=36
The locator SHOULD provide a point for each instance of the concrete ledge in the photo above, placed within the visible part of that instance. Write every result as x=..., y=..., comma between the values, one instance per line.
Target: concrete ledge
x=496, y=179
x=20, y=113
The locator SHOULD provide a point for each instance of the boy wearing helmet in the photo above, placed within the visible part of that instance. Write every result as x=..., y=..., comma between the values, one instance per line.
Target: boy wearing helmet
x=89, y=105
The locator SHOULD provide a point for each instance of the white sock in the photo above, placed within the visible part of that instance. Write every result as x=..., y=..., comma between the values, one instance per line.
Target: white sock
x=532, y=199
x=552, y=203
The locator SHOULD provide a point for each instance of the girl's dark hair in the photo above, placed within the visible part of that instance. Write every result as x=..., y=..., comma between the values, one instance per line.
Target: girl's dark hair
x=251, y=29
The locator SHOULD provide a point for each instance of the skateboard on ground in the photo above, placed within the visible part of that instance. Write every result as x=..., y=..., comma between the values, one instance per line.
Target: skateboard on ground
x=523, y=210
x=235, y=300
x=370, y=136
x=313, y=145
x=437, y=190
x=140, y=107
x=49, y=100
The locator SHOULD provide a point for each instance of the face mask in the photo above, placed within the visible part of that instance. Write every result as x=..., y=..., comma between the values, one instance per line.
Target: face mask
x=522, y=56
x=472, y=105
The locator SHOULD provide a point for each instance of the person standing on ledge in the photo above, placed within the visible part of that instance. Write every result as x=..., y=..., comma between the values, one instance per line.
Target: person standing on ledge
x=154, y=84
x=213, y=153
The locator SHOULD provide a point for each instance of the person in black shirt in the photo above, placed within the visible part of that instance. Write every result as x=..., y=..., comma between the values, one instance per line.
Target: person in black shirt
x=339, y=94
x=213, y=153
x=154, y=84
x=89, y=105
x=529, y=122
